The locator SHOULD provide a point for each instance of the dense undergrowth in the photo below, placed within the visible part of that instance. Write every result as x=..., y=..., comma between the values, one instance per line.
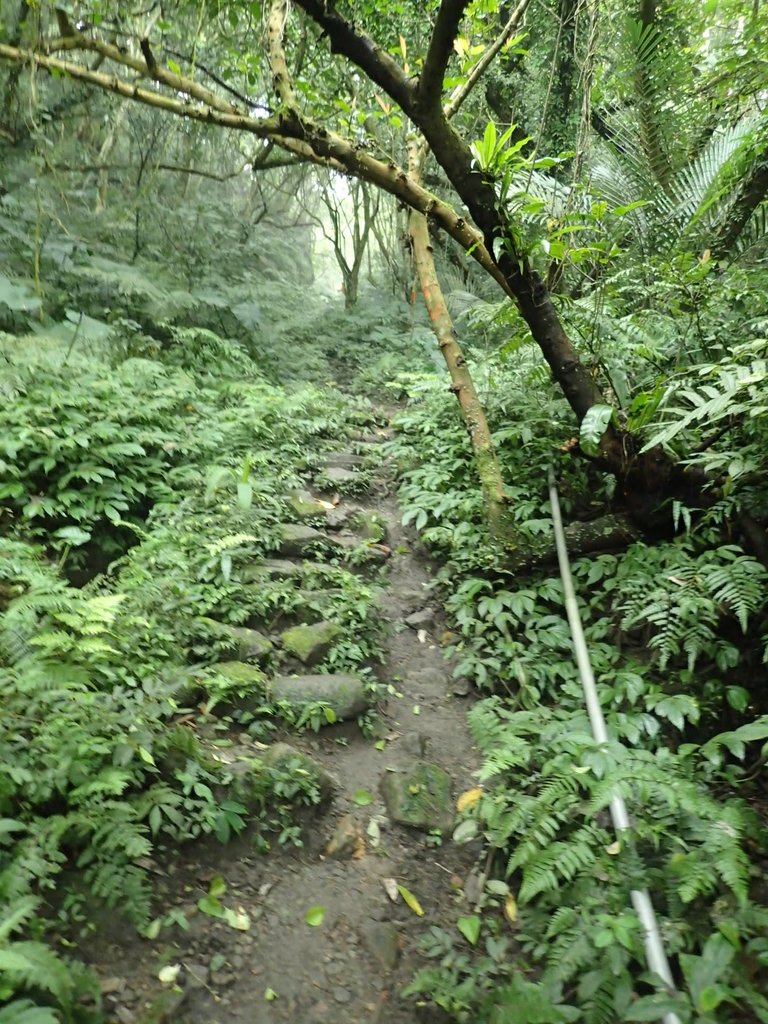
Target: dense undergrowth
x=142, y=487
x=677, y=637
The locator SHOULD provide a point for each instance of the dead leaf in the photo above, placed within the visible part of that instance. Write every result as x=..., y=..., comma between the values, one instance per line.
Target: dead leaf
x=614, y=849
x=391, y=886
x=468, y=799
x=345, y=838
x=403, y=47
x=384, y=106
x=167, y=975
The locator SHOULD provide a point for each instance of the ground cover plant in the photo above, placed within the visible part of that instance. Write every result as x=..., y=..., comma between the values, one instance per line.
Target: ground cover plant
x=240, y=240
x=178, y=486
x=676, y=634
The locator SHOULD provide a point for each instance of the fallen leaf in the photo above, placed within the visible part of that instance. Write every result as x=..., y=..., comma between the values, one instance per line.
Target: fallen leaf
x=169, y=973
x=238, y=919
x=391, y=886
x=362, y=798
x=468, y=799
x=469, y=928
x=465, y=831
x=374, y=832
x=421, y=636
x=345, y=838
x=510, y=908
x=416, y=709
x=410, y=901
x=270, y=995
x=614, y=849
x=314, y=916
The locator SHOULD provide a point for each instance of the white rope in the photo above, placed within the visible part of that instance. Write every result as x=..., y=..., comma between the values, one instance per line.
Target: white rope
x=641, y=901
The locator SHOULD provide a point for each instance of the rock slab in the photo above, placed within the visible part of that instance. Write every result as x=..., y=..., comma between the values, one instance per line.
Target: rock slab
x=419, y=797
x=310, y=642
x=344, y=693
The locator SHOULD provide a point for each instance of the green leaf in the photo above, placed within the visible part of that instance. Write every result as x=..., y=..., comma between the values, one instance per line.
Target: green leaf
x=314, y=916
x=244, y=496
x=217, y=887
x=593, y=427
x=362, y=798
x=711, y=997
x=73, y=535
x=465, y=831
x=469, y=928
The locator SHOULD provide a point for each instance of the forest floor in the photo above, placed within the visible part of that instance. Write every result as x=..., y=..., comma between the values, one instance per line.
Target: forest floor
x=353, y=966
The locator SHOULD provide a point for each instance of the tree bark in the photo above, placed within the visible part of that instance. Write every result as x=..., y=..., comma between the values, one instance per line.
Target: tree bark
x=607, y=534
x=462, y=385
x=751, y=192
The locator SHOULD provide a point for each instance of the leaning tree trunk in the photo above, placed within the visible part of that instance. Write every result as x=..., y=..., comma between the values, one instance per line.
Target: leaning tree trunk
x=462, y=384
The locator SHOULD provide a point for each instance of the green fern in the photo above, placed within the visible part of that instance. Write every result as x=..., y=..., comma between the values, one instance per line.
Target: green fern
x=22, y=1011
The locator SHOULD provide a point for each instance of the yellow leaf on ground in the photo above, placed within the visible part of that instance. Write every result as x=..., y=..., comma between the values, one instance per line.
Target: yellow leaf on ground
x=468, y=799
x=411, y=901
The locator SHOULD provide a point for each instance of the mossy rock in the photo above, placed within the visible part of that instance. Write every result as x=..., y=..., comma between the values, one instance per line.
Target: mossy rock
x=310, y=642
x=164, y=1008
x=370, y=525
x=305, y=507
x=247, y=644
x=283, y=755
x=242, y=679
x=272, y=570
x=251, y=784
x=419, y=797
x=297, y=540
x=252, y=645
x=344, y=693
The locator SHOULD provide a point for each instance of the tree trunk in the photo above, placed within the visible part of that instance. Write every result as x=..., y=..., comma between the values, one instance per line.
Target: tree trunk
x=751, y=192
x=462, y=384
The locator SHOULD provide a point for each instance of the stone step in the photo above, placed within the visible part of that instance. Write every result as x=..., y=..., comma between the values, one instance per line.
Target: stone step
x=343, y=692
x=342, y=460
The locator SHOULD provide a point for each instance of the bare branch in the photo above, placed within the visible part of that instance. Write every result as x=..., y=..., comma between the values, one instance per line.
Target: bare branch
x=430, y=89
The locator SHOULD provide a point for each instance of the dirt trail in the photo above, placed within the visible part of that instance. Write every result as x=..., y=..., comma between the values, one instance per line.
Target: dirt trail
x=353, y=967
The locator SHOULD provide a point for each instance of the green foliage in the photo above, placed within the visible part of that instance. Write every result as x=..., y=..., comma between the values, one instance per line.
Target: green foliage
x=672, y=633
x=99, y=764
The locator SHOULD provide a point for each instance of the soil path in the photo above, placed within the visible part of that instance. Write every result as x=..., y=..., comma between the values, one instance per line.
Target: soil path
x=352, y=967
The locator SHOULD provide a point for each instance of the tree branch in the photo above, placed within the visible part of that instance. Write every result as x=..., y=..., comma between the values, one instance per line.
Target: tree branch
x=281, y=77
x=377, y=64
x=462, y=91
x=430, y=88
x=178, y=83
x=213, y=77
